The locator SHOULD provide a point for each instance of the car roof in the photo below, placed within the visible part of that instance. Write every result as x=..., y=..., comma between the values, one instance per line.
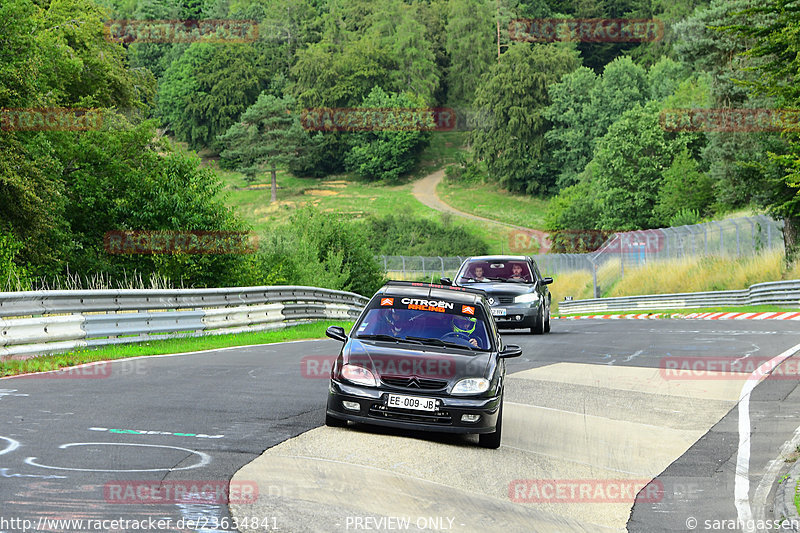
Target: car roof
x=500, y=257
x=465, y=295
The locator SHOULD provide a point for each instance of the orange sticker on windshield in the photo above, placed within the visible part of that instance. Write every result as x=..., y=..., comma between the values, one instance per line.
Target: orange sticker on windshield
x=387, y=301
x=467, y=310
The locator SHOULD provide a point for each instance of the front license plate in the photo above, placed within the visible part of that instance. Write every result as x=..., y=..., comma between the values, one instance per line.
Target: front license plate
x=498, y=311
x=411, y=402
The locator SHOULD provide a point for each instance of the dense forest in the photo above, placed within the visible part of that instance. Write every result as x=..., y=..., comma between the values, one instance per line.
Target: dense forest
x=581, y=122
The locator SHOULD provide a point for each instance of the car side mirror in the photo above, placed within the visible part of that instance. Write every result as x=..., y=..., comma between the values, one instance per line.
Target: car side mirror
x=446, y=281
x=511, y=350
x=547, y=281
x=336, y=333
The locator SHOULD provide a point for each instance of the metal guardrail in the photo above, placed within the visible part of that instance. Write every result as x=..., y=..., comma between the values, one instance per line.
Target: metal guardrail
x=774, y=293
x=39, y=322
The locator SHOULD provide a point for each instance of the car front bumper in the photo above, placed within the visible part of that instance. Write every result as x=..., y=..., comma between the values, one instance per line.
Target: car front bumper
x=518, y=316
x=447, y=418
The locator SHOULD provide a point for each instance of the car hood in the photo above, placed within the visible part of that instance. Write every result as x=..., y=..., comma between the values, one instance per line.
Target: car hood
x=429, y=362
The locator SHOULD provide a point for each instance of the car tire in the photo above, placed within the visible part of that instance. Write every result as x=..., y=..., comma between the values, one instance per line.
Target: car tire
x=547, y=323
x=538, y=328
x=334, y=422
x=492, y=440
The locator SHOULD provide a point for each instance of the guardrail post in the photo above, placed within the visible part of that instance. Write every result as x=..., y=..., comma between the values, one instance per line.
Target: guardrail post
x=404, y=264
x=442, y=263
x=594, y=280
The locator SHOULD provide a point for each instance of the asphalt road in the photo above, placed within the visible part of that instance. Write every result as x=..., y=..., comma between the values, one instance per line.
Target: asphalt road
x=81, y=446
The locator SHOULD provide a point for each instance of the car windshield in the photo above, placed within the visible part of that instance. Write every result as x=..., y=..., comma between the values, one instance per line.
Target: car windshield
x=426, y=326
x=500, y=270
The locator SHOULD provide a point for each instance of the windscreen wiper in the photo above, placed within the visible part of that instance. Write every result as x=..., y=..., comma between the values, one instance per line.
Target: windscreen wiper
x=390, y=338
x=440, y=342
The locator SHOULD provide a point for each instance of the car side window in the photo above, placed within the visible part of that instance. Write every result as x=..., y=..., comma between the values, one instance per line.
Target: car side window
x=535, y=269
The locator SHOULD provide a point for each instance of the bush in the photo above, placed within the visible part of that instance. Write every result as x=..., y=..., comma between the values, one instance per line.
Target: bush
x=685, y=217
x=404, y=234
x=12, y=276
x=386, y=155
x=322, y=250
x=465, y=171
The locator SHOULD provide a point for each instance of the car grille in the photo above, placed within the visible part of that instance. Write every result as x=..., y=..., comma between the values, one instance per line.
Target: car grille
x=378, y=410
x=413, y=382
x=505, y=300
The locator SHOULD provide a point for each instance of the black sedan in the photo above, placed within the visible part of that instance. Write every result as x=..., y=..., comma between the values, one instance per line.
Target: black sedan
x=516, y=290
x=422, y=357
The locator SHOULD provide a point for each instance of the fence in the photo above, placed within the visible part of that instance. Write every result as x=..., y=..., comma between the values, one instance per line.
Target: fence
x=785, y=293
x=39, y=322
x=733, y=237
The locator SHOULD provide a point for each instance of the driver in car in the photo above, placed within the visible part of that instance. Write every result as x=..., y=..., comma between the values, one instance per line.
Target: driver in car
x=516, y=272
x=390, y=323
x=464, y=326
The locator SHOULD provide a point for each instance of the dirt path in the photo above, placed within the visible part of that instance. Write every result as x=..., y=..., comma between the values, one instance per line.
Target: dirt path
x=424, y=190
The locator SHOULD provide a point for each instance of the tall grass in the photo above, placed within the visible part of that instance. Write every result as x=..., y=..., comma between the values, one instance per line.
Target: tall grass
x=701, y=274
x=694, y=274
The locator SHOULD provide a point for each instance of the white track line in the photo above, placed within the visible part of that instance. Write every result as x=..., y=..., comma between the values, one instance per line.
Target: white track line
x=741, y=487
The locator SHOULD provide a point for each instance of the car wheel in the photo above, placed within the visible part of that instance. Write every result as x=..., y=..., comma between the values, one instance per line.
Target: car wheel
x=492, y=440
x=547, y=323
x=538, y=328
x=334, y=422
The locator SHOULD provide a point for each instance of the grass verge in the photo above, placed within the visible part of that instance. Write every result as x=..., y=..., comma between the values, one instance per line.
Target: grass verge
x=44, y=363
x=488, y=201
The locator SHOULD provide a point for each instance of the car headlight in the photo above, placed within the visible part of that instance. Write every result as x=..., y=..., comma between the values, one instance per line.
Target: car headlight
x=359, y=375
x=471, y=386
x=527, y=298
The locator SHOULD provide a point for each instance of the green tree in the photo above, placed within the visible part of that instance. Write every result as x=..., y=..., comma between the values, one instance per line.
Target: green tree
x=470, y=47
x=628, y=167
x=515, y=94
x=268, y=132
x=584, y=106
x=572, y=218
x=571, y=115
x=395, y=26
x=331, y=75
x=388, y=153
x=147, y=186
x=773, y=25
x=683, y=187
x=209, y=86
